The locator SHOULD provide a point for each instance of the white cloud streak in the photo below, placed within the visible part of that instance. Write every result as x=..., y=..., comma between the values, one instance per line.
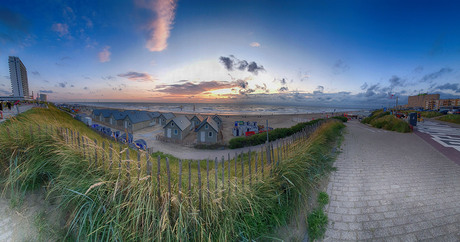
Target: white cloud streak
x=255, y=44
x=159, y=28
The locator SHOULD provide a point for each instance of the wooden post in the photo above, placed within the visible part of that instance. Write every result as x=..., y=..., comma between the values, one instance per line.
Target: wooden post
x=169, y=179
x=128, y=168
x=158, y=178
x=84, y=149
x=95, y=152
x=236, y=176
x=180, y=180
x=223, y=173
x=149, y=167
x=278, y=150
x=199, y=187
x=228, y=180
x=110, y=157
x=103, y=154
x=262, y=160
x=249, y=168
x=271, y=159
x=242, y=170
x=119, y=161
x=138, y=165
x=207, y=177
x=215, y=173
x=189, y=179
x=78, y=139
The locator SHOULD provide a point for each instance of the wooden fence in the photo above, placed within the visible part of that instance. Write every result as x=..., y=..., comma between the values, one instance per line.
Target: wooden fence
x=181, y=179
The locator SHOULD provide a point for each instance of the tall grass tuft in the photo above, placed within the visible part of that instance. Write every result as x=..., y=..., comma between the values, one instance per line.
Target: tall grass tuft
x=105, y=204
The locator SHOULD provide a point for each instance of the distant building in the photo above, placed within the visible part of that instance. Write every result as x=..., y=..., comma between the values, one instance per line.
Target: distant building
x=177, y=128
x=196, y=120
x=208, y=131
x=420, y=101
x=218, y=120
x=43, y=97
x=18, y=76
x=165, y=117
x=449, y=103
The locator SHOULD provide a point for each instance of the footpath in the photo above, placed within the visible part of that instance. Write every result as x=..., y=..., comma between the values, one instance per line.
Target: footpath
x=392, y=187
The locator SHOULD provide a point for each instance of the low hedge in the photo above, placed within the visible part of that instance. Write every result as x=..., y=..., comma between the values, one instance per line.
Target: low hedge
x=275, y=134
x=341, y=118
x=390, y=122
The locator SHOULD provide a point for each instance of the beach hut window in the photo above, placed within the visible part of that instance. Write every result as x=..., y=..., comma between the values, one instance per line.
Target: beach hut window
x=172, y=124
x=206, y=126
x=210, y=134
x=175, y=131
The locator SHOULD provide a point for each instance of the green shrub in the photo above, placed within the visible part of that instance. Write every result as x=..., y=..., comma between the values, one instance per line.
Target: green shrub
x=323, y=199
x=317, y=222
x=390, y=122
x=275, y=134
x=452, y=118
x=341, y=118
x=428, y=114
x=375, y=115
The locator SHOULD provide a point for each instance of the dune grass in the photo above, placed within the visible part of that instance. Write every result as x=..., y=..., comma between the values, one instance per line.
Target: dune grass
x=103, y=203
x=387, y=121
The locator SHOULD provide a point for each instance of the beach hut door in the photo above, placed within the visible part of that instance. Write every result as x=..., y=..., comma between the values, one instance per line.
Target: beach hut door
x=202, y=136
x=168, y=133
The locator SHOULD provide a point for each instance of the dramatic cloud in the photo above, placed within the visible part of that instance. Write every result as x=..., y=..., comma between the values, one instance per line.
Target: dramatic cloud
x=61, y=29
x=255, y=44
x=435, y=75
x=36, y=73
x=137, y=76
x=340, y=67
x=46, y=91
x=190, y=88
x=454, y=87
x=364, y=86
x=62, y=84
x=159, y=28
x=104, y=55
x=231, y=62
x=396, y=81
x=13, y=20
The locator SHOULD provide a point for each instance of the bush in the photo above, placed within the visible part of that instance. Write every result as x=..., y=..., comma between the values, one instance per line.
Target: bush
x=278, y=133
x=390, y=122
x=430, y=114
x=452, y=118
x=317, y=222
x=341, y=118
x=375, y=115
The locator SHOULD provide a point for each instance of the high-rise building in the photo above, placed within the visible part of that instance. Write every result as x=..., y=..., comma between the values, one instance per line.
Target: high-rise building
x=18, y=76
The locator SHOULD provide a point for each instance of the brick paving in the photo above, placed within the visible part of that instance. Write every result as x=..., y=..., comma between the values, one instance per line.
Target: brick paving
x=392, y=187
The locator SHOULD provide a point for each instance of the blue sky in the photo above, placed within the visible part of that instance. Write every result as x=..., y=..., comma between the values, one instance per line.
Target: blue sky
x=300, y=52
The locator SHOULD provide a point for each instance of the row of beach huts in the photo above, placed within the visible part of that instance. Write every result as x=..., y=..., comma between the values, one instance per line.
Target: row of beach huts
x=208, y=130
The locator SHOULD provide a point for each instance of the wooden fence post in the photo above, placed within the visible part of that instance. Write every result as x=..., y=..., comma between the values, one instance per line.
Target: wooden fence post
x=158, y=178
x=95, y=152
x=84, y=148
x=128, y=168
x=149, y=167
x=103, y=154
x=180, y=180
x=223, y=173
x=215, y=173
x=228, y=180
x=138, y=165
x=189, y=179
x=169, y=179
x=119, y=161
x=110, y=157
x=249, y=170
x=278, y=150
x=236, y=176
x=199, y=187
x=242, y=170
x=207, y=176
x=78, y=139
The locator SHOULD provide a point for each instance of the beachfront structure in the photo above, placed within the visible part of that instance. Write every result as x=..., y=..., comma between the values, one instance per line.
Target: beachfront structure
x=218, y=120
x=241, y=128
x=208, y=131
x=18, y=76
x=196, y=121
x=131, y=120
x=165, y=118
x=136, y=120
x=177, y=128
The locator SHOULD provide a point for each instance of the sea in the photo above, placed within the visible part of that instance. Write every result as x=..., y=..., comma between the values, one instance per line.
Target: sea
x=220, y=108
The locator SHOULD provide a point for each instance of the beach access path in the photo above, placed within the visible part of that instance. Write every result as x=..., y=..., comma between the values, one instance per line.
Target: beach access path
x=392, y=186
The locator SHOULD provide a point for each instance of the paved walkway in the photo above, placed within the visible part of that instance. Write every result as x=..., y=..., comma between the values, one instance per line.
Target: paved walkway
x=392, y=187
x=13, y=112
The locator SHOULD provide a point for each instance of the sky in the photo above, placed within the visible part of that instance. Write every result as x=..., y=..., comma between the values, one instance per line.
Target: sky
x=320, y=53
